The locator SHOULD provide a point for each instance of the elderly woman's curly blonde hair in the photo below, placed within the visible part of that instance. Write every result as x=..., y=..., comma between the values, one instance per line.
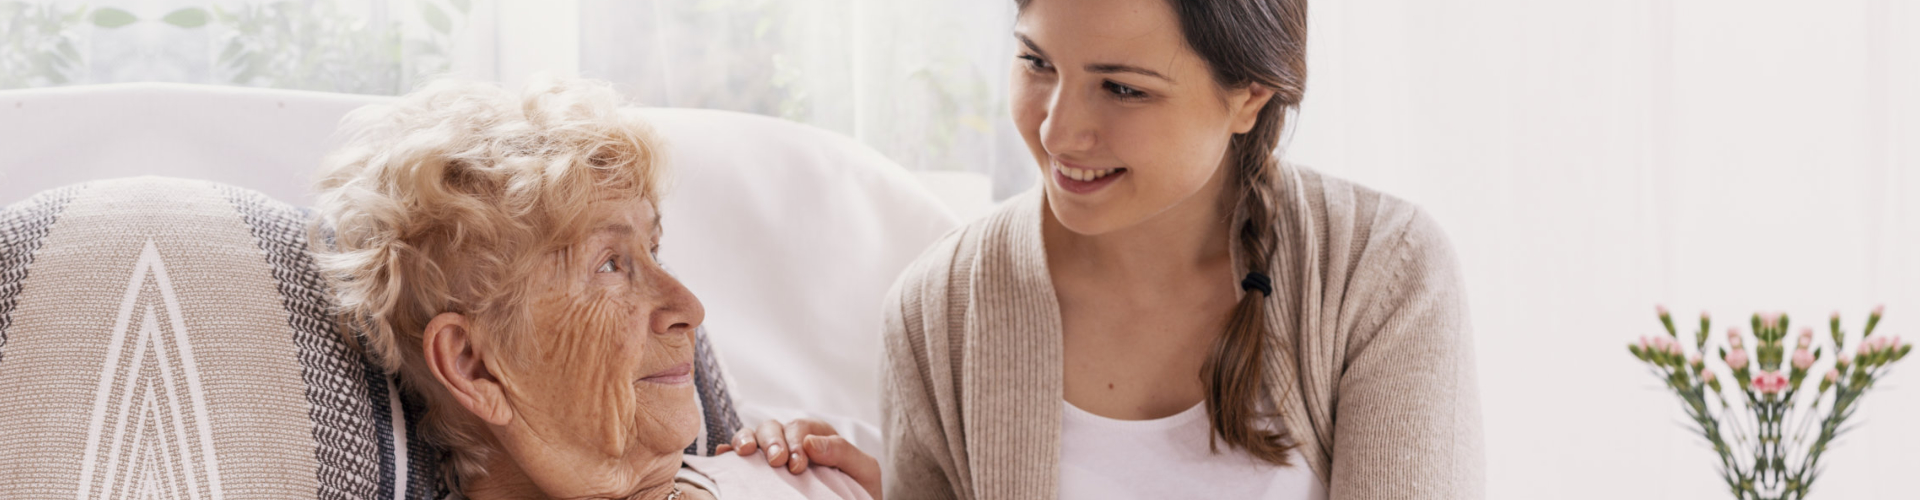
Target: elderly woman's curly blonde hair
x=446, y=201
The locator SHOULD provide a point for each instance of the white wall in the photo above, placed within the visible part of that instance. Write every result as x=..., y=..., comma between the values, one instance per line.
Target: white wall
x=1592, y=159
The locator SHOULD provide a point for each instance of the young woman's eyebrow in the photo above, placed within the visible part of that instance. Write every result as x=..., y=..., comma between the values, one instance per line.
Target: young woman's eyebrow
x=1101, y=68
x=1108, y=68
x=1029, y=43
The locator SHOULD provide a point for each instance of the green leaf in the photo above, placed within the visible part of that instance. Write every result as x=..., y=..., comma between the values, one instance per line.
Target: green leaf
x=436, y=17
x=113, y=18
x=245, y=76
x=73, y=17
x=465, y=6
x=189, y=18
x=233, y=49
x=66, y=50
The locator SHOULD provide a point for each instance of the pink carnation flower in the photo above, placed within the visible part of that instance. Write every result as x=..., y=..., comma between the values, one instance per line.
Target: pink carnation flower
x=1833, y=376
x=1770, y=383
x=1706, y=376
x=1802, y=358
x=1737, y=358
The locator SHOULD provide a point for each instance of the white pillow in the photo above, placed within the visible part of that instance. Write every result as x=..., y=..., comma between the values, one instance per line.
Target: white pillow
x=791, y=235
x=788, y=233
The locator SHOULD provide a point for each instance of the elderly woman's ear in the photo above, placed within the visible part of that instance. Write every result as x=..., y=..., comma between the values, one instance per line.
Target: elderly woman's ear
x=462, y=366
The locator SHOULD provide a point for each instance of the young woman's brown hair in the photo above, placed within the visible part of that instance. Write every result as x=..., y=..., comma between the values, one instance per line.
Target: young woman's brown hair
x=1246, y=42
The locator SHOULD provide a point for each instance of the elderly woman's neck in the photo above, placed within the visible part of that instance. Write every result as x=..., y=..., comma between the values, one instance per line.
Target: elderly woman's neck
x=505, y=480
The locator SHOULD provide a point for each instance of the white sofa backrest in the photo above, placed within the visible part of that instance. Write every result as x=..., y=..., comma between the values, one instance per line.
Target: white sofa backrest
x=789, y=234
x=266, y=140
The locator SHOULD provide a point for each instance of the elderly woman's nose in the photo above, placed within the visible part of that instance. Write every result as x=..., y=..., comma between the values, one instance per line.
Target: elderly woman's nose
x=679, y=311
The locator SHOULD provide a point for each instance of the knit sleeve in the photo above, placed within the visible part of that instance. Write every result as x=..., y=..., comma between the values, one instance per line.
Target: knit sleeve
x=917, y=403
x=1408, y=407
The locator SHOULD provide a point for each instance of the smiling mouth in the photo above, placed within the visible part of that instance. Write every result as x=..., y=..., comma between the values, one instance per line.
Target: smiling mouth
x=1083, y=181
x=1086, y=174
x=676, y=375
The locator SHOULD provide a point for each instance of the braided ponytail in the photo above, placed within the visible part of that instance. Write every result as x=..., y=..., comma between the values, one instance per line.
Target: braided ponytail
x=1250, y=42
x=1235, y=371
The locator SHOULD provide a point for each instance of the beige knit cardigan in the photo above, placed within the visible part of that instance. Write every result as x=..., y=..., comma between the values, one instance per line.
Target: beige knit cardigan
x=1378, y=391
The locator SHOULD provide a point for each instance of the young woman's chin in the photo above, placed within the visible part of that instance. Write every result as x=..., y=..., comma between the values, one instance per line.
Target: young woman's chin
x=1123, y=202
x=1090, y=215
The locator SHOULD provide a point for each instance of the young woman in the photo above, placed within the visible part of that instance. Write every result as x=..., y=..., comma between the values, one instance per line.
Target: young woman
x=1175, y=313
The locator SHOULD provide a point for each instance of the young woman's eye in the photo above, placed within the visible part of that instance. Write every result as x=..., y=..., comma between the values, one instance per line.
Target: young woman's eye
x=609, y=266
x=1123, y=91
x=1035, y=62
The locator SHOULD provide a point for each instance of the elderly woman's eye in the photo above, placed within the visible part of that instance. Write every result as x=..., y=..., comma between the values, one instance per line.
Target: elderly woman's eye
x=608, y=266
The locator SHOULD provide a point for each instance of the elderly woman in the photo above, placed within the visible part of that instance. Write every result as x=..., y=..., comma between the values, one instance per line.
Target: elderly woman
x=499, y=254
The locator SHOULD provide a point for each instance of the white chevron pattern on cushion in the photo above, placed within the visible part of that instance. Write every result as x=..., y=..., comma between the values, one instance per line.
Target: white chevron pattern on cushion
x=160, y=366
x=157, y=348
x=165, y=338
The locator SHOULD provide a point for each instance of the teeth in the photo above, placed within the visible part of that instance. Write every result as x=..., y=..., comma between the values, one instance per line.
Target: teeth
x=1081, y=174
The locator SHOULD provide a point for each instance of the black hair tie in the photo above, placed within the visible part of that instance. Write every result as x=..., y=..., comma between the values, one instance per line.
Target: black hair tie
x=1257, y=280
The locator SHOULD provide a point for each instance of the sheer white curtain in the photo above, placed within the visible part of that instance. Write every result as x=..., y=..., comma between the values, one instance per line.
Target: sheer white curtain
x=922, y=81
x=1592, y=159
x=352, y=46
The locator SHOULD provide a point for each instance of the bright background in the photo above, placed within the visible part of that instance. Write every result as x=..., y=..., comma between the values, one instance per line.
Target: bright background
x=1589, y=159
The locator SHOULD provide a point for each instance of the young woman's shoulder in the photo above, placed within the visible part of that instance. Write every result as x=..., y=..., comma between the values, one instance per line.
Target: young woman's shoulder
x=1398, y=360
x=1367, y=226
x=944, y=270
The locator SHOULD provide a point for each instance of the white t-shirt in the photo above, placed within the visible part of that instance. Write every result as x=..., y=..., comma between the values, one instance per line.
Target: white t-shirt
x=1104, y=458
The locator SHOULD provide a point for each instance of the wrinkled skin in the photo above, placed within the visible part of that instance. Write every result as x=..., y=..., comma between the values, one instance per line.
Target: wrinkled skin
x=583, y=418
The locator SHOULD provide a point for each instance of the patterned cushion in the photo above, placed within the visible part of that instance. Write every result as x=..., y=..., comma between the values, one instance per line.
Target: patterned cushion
x=173, y=338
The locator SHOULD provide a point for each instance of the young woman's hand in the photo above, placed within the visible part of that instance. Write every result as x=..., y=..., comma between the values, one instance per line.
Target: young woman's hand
x=818, y=444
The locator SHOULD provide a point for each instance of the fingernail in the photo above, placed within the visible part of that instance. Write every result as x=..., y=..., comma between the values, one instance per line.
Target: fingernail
x=795, y=457
x=773, y=450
